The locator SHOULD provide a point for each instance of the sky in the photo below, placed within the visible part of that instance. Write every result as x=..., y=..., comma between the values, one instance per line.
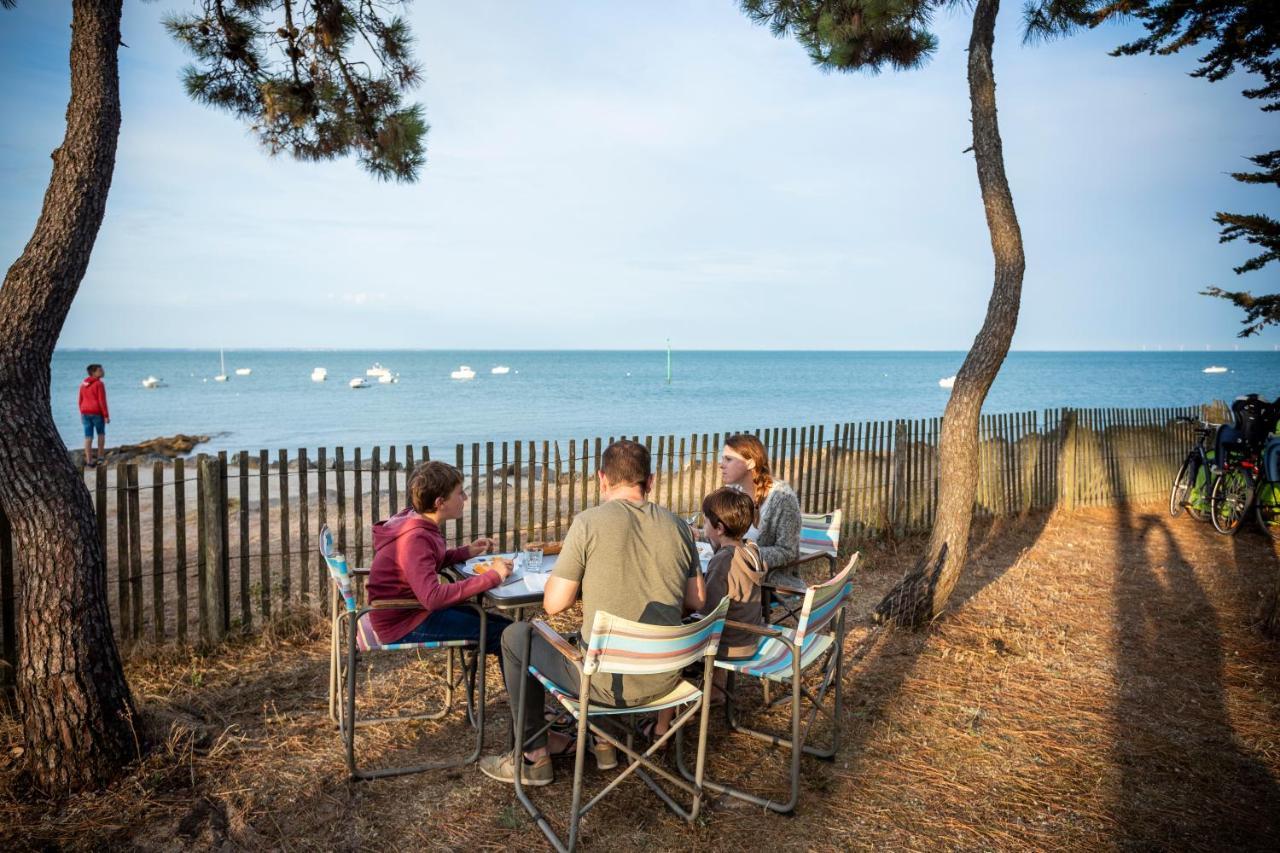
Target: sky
x=610, y=175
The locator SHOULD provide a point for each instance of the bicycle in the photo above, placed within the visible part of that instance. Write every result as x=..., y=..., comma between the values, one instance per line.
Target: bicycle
x=1233, y=492
x=1192, y=482
x=1267, y=497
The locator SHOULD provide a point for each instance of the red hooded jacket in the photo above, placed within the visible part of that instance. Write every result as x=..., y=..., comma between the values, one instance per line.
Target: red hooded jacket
x=408, y=553
x=93, y=397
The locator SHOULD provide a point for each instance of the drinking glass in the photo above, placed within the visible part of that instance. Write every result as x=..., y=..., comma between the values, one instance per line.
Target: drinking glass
x=533, y=561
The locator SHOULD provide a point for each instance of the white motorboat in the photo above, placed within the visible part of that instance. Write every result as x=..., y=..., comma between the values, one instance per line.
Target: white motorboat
x=222, y=374
x=358, y=382
x=388, y=379
x=377, y=370
x=319, y=374
x=1215, y=368
x=500, y=370
x=243, y=371
x=463, y=372
x=151, y=382
x=947, y=382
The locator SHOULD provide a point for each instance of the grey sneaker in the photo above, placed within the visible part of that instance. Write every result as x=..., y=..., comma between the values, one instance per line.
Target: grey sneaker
x=502, y=768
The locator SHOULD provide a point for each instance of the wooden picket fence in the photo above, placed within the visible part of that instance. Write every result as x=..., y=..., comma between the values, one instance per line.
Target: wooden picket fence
x=197, y=548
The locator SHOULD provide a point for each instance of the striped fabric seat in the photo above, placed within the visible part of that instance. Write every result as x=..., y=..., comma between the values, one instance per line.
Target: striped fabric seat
x=367, y=639
x=634, y=648
x=786, y=655
x=682, y=694
x=772, y=659
x=820, y=533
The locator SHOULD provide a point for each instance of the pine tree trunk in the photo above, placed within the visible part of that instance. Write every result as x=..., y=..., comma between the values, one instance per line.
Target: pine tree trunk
x=923, y=593
x=76, y=709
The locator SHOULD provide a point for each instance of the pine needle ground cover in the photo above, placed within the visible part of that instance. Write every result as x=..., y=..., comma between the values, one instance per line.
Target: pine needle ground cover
x=1098, y=684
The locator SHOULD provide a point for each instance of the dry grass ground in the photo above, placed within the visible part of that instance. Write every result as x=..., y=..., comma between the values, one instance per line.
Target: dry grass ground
x=1098, y=685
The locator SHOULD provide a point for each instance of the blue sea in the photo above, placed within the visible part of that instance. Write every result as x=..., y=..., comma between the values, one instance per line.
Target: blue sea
x=580, y=394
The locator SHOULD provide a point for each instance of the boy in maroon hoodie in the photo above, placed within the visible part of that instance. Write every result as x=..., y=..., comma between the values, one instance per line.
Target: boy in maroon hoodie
x=408, y=553
x=93, y=412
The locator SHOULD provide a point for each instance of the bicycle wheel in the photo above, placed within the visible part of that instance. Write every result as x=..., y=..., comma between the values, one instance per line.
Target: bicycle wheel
x=1268, y=508
x=1181, y=486
x=1229, y=501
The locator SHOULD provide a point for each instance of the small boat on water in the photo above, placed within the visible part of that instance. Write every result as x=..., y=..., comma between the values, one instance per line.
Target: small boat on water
x=222, y=360
x=947, y=382
x=358, y=382
x=388, y=379
x=463, y=372
x=151, y=382
x=243, y=371
x=500, y=370
x=377, y=370
x=1215, y=368
x=319, y=374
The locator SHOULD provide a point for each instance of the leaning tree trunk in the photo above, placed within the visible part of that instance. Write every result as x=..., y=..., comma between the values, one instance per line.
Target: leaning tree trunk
x=923, y=593
x=77, y=714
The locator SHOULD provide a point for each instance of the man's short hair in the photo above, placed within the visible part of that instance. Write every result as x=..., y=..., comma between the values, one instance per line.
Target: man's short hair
x=432, y=480
x=730, y=508
x=626, y=463
x=93, y=368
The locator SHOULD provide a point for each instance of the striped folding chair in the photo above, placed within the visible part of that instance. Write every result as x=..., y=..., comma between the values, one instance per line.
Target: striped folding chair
x=784, y=586
x=352, y=637
x=628, y=648
x=782, y=656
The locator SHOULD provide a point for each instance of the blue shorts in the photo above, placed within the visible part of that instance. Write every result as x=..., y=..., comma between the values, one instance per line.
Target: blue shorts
x=92, y=422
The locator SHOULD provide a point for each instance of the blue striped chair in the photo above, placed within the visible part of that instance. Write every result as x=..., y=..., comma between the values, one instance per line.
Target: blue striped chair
x=785, y=655
x=620, y=646
x=785, y=586
x=353, y=636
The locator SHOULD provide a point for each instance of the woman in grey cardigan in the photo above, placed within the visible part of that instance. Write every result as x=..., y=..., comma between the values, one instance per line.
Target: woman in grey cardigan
x=744, y=463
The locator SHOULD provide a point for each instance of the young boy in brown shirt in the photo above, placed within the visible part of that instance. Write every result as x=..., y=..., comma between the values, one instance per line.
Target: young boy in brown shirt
x=735, y=570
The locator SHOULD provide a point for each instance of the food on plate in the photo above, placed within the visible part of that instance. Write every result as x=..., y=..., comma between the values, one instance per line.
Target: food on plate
x=481, y=568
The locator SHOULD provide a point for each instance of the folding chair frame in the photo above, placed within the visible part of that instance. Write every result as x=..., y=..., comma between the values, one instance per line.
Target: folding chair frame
x=832, y=668
x=348, y=722
x=638, y=762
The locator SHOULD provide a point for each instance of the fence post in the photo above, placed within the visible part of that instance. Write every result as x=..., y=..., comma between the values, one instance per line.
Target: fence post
x=1067, y=441
x=898, y=487
x=212, y=590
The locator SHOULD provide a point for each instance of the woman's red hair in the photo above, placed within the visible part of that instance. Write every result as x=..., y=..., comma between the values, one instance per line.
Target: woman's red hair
x=749, y=448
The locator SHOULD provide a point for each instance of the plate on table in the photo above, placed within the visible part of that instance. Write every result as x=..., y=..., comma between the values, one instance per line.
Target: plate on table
x=477, y=566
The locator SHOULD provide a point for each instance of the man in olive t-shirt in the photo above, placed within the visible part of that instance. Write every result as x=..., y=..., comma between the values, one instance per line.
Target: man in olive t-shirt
x=630, y=557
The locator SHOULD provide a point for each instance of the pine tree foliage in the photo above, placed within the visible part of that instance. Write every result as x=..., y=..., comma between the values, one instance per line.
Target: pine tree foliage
x=318, y=79
x=850, y=35
x=1241, y=34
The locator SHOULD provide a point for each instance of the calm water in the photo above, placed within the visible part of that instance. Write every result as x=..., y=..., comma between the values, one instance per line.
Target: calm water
x=581, y=394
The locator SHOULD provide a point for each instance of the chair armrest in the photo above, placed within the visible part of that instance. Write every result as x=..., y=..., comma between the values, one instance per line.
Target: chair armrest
x=807, y=558
x=759, y=630
x=396, y=604
x=359, y=570
x=557, y=642
x=785, y=584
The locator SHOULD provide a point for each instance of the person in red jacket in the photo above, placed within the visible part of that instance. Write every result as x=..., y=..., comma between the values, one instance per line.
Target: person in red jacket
x=94, y=413
x=409, y=552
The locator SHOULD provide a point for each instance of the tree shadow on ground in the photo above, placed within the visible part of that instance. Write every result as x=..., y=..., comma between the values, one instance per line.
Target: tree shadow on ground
x=1185, y=779
x=887, y=656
